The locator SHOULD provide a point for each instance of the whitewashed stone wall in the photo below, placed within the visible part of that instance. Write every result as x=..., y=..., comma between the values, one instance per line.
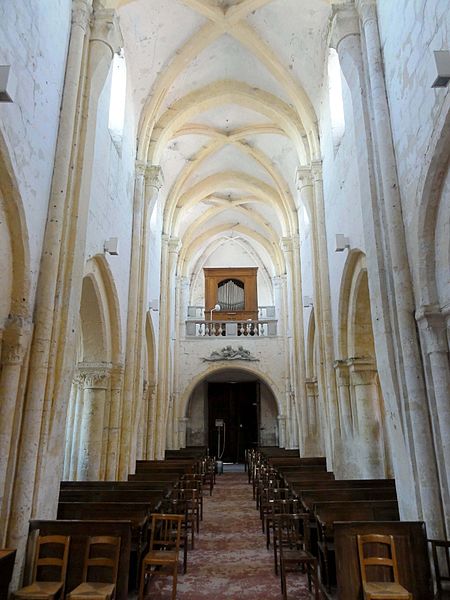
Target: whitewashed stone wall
x=270, y=366
x=33, y=40
x=342, y=193
x=111, y=202
x=409, y=32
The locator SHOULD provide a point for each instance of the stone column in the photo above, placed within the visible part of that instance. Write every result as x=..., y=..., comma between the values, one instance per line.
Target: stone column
x=281, y=431
x=417, y=413
x=432, y=329
x=148, y=181
x=112, y=457
x=78, y=411
x=182, y=428
x=169, y=254
x=368, y=452
x=16, y=337
x=70, y=428
x=94, y=379
x=314, y=441
x=345, y=402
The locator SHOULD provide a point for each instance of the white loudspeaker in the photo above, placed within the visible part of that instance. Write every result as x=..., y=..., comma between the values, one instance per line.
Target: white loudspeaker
x=8, y=84
x=111, y=246
x=442, y=58
x=342, y=242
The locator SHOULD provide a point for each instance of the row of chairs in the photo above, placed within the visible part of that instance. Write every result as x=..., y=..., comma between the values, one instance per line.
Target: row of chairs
x=174, y=528
x=101, y=562
x=287, y=527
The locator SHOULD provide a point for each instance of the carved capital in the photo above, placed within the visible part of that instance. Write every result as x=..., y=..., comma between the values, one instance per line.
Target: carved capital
x=279, y=281
x=154, y=177
x=93, y=375
x=316, y=171
x=81, y=13
x=105, y=29
x=303, y=177
x=367, y=11
x=345, y=23
x=16, y=335
x=341, y=368
x=174, y=245
x=312, y=388
x=290, y=244
x=362, y=371
x=432, y=327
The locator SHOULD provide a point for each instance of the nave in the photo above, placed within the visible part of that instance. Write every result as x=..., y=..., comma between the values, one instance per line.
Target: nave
x=230, y=560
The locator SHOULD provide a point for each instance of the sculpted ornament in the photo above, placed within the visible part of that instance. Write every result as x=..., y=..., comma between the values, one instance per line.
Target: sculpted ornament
x=229, y=353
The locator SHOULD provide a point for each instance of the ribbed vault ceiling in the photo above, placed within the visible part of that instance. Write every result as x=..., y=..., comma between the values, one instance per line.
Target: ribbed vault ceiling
x=226, y=95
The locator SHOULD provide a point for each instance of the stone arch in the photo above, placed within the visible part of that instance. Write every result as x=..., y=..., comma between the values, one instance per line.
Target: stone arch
x=15, y=270
x=193, y=421
x=212, y=369
x=433, y=198
x=361, y=406
x=91, y=417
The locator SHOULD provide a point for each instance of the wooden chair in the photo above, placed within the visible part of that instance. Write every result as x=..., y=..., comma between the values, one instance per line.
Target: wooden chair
x=380, y=589
x=46, y=564
x=177, y=506
x=102, y=553
x=164, y=549
x=292, y=539
x=441, y=558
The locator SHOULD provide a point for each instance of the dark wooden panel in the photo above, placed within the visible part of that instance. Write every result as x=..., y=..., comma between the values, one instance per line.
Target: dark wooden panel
x=7, y=558
x=412, y=556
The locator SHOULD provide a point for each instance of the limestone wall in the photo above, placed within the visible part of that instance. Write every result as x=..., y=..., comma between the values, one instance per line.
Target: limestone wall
x=33, y=40
x=409, y=32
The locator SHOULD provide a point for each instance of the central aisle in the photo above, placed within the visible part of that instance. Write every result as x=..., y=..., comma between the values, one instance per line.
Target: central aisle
x=230, y=560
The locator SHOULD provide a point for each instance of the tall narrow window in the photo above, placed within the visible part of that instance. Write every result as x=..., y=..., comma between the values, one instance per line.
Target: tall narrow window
x=118, y=96
x=335, y=96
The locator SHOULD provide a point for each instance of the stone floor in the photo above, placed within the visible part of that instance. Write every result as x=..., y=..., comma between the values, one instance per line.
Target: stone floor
x=230, y=560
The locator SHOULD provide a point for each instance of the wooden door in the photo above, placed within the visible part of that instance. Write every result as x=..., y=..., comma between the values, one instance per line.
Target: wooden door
x=237, y=405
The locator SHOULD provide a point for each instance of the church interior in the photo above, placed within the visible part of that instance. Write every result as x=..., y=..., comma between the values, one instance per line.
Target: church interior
x=225, y=224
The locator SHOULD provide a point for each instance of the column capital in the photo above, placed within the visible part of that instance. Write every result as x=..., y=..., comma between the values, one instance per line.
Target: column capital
x=93, y=375
x=344, y=24
x=154, y=176
x=279, y=280
x=289, y=244
x=174, y=244
x=312, y=387
x=341, y=368
x=105, y=29
x=81, y=13
x=16, y=334
x=367, y=10
x=363, y=370
x=316, y=170
x=432, y=326
x=303, y=177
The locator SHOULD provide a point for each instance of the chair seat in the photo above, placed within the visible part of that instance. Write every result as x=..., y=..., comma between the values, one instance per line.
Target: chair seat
x=161, y=556
x=40, y=590
x=386, y=589
x=297, y=556
x=92, y=590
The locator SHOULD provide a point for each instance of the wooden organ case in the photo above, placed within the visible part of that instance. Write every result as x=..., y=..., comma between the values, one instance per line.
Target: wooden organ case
x=235, y=289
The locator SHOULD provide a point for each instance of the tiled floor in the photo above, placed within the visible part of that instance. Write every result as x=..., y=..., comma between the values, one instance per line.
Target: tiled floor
x=230, y=560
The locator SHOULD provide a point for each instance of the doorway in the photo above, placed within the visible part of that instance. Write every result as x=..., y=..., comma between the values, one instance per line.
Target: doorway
x=233, y=416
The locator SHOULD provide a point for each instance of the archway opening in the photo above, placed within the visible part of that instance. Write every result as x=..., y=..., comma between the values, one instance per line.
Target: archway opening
x=229, y=411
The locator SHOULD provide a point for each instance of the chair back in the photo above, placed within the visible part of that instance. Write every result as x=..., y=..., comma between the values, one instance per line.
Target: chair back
x=45, y=556
x=288, y=506
x=380, y=559
x=166, y=531
x=102, y=552
x=441, y=560
x=293, y=531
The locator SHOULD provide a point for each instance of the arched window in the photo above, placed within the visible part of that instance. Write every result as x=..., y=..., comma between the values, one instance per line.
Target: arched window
x=335, y=97
x=118, y=96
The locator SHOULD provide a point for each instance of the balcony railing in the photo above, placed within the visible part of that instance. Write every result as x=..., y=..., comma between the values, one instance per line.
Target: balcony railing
x=198, y=312
x=199, y=328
